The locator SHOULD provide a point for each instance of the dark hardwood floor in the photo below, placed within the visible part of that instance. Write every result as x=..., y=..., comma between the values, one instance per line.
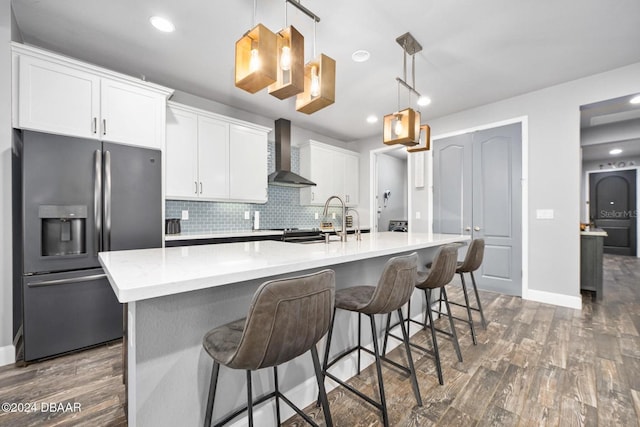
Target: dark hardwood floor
x=536, y=364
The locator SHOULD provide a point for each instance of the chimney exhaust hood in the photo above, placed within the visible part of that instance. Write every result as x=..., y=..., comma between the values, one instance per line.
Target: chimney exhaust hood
x=283, y=175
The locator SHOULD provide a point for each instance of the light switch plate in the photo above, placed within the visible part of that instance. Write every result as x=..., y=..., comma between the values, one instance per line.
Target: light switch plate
x=185, y=215
x=417, y=215
x=316, y=215
x=544, y=213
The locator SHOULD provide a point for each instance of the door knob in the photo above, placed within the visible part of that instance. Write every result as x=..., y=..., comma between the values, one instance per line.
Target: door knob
x=467, y=229
x=476, y=228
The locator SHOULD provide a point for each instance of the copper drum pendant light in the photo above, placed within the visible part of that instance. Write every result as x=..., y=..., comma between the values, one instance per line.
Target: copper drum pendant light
x=402, y=127
x=426, y=133
x=256, y=58
x=290, y=70
x=319, y=85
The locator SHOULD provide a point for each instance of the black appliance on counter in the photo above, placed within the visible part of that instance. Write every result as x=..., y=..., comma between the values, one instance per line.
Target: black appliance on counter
x=73, y=198
x=401, y=225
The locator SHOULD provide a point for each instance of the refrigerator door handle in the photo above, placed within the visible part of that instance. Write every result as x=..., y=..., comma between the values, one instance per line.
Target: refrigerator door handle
x=107, y=201
x=97, y=199
x=65, y=281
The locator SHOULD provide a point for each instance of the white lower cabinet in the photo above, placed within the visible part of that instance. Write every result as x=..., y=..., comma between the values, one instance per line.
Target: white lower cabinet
x=211, y=157
x=334, y=170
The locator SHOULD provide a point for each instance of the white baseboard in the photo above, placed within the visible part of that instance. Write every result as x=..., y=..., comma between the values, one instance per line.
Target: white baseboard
x=7, y=355
x=554, y=299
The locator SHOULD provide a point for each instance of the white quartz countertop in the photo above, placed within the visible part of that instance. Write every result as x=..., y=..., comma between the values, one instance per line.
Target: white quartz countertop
x=594, y=232
x=149, y=273
x=221, y=235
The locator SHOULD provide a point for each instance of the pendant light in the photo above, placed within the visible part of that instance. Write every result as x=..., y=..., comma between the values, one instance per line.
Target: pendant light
x=319, y=81
x=290, y=57
x=425, y=136
x=256, y=58
x=403, y=126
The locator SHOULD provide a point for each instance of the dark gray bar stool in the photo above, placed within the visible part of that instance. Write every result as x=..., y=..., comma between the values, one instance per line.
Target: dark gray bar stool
x=441, y=273
x=287, y=317
x=394, y=289
x=472, y=262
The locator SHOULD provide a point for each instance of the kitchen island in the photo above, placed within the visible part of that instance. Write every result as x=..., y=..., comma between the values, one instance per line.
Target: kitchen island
x=175, y=295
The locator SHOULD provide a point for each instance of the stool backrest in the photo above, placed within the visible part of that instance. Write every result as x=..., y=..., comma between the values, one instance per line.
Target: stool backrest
x=473, y=259
x=286, y=318
x=443, y=267
x=395, y=285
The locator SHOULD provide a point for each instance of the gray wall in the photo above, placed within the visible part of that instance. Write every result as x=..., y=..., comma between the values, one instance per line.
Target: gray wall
x=6, y=320
x=392, y=175
x=553, y=161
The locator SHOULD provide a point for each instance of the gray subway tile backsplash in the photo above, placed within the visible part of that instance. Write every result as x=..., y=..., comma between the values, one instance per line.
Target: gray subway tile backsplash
x=281, y=210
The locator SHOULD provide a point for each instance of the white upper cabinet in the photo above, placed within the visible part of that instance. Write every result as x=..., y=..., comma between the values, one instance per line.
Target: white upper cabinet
x=248, y=157
x=334, y=170
x=60, y=95
x=131, y=114
x=58, y=99
x=212, y=157
x=181, y=154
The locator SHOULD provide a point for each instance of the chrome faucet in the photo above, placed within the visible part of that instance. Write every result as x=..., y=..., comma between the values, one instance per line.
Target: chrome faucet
x=343, y=230
x=358, y=235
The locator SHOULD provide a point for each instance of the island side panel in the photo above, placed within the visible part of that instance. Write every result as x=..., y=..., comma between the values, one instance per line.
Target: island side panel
x=172, y=370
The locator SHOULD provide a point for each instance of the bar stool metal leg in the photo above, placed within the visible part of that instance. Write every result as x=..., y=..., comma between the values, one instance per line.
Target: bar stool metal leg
x=434, y=339
x=277, y=396
x=475, y=290
x=468, y=308
x=454, y=335
x=212, y=393
x=383, y=400
x=322, y=393
x=249, y=399
x=412, y=369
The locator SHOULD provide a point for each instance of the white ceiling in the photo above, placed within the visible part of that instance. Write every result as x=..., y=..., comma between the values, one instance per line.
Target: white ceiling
x=474, y=52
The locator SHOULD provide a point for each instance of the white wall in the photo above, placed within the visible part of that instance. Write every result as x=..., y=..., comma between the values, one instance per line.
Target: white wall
x=6, y=320
x=554, y=162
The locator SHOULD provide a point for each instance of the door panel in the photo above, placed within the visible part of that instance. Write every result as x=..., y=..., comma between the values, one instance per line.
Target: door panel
x=452, y=185
x=213, y=158
x=58, y=171
x=68, y=311
x=613, y=208
x=497, y=207
x=477, y=191
x=136, y=198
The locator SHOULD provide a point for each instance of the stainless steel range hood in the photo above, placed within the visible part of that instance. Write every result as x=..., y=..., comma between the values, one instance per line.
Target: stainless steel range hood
x=283, y=175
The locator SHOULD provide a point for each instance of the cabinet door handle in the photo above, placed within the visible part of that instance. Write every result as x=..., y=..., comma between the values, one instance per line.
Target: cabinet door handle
x=476, y=228
x=467, y=229
x=196, y=183
x=312, y=195
x=200, y=187
x=94, y=125
x=104, y=126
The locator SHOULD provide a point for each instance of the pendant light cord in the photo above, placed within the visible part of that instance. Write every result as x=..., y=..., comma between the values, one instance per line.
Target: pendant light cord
x=255, y=8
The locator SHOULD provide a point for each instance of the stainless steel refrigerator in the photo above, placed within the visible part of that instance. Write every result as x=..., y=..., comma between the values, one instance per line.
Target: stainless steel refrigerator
x=74, y=198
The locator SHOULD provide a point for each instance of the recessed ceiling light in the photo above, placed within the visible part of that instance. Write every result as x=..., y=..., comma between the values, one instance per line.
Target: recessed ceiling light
x=424, y=100
x=360, y=55
x=372, y=119
x=635, y=99
x=615, y=151
x=162, y=24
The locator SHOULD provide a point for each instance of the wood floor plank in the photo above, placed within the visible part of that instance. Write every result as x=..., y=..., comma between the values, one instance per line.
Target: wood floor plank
x=575, y=413
x=534, y=365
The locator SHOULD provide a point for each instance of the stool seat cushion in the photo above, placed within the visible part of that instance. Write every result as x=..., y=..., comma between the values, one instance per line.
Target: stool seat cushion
x=222, y=342
x=354, y=298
